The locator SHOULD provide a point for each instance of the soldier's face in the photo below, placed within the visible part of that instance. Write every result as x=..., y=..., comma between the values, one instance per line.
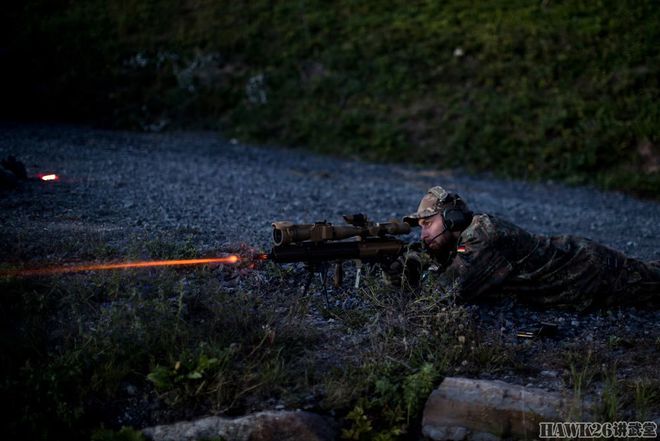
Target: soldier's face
x=432, y=232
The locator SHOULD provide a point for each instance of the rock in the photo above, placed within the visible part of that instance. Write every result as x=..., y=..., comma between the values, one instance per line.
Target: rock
x=466, y=409
x=261, y=426
x=15, y=166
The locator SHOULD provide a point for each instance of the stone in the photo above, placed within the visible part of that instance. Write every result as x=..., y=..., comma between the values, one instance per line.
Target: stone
x=466, y=409
x=14, y=166
x=261, y=426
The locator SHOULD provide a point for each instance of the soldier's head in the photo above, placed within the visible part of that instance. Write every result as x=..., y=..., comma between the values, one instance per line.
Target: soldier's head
x=442, y=216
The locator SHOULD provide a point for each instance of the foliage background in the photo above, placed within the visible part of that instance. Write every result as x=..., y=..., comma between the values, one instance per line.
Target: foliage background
x=546, y=89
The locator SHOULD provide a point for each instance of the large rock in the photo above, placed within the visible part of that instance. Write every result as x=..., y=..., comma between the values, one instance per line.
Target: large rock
x=262, y=426
x=465, y=409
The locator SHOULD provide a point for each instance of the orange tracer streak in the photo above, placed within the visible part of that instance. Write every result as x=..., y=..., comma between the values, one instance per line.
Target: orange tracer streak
x=111, y=266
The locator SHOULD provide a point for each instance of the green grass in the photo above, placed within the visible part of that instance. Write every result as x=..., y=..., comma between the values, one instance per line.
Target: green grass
x=565, y=90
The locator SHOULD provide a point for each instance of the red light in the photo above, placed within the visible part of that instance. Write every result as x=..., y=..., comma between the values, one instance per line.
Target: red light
x=49, y=177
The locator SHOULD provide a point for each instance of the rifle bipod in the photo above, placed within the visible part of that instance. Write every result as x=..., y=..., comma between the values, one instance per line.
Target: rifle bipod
x=322, y=269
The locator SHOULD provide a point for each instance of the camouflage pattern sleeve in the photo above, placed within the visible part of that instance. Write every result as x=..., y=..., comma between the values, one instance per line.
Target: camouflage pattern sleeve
x=478, y=265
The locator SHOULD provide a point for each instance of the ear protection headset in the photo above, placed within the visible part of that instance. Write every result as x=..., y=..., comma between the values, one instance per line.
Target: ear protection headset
x=456, y=216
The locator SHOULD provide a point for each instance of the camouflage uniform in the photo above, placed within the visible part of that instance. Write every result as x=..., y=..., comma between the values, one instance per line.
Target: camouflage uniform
x=493, y=256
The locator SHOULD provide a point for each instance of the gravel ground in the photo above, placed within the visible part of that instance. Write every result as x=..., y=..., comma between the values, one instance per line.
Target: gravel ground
x=229, y=192
x=122, y=185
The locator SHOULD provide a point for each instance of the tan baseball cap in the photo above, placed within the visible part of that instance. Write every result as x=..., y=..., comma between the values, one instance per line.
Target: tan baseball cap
x=431, y=204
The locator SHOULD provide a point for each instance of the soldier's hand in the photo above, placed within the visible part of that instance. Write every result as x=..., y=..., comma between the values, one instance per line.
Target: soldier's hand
x=406, y=270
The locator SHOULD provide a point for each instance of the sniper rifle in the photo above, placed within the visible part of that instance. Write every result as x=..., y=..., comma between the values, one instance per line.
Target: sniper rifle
x=321, y=243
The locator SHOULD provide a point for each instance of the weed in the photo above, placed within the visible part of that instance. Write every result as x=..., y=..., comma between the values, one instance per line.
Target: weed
x=417, y=387
x=360, y=424
x=646, y=395
x=582, y=371
x=610, y=401
x=190, y=376
x=392, y=402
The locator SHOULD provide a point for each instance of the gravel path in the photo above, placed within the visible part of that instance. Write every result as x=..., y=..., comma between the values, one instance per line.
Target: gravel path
x=226, y=192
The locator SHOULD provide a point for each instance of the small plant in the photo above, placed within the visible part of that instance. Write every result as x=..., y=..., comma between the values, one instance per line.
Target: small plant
x=360, y=425
x=417, y=387
x=488, y=356
x=581, y=374
x=645, y=397
x=188, y=375
x=610, y=403
x=390, y=404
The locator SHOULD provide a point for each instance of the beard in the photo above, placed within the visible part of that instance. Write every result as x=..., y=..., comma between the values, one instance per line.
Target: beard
x=442, y=251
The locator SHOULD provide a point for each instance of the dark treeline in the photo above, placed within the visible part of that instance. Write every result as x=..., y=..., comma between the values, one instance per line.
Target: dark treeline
x=563, y=90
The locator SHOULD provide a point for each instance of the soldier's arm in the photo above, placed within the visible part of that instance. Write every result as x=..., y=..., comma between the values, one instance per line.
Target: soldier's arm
x=479, y=266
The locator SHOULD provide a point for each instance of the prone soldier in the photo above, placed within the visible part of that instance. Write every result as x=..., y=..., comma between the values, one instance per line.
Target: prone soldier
x=480, y=255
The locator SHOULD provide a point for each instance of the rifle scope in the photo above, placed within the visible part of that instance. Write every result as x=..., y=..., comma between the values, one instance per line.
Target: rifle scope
x=286, y=232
